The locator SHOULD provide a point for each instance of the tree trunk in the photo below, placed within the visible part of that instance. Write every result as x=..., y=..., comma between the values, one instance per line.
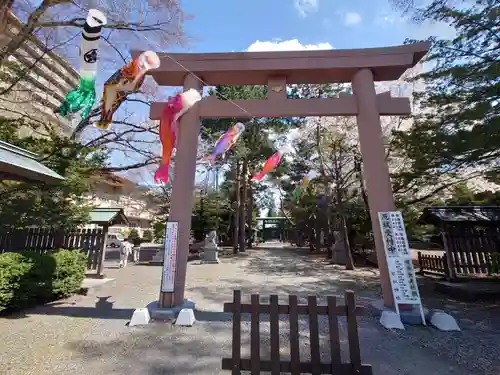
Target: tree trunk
x=243, y=201
x=236, y=206
x=311, y=237
x=349, y=263
x=317, y=231
x=5, y=7
x=249, y=214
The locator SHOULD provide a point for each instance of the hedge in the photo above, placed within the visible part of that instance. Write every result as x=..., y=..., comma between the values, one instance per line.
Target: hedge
x=28, y=278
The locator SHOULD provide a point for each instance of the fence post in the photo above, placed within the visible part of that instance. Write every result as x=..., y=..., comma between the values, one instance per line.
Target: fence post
x=451, y=275
x=236, y=350
x=420, y=263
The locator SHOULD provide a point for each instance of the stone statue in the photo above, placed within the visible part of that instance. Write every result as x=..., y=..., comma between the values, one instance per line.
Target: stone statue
x=211, y=240
x=338, y=249
x=210, y=248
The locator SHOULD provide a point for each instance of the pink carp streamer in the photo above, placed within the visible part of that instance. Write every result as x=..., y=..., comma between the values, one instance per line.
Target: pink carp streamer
x=270, y=164
x=173, y=111
x=226, y=141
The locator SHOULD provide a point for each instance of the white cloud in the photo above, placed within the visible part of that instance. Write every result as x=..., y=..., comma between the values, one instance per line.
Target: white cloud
x=286, y=45
x=352, y=18
x=306, y=7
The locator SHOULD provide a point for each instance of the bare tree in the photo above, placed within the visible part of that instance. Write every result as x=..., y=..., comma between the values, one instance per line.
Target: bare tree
x=54, y=26
x=152, y=24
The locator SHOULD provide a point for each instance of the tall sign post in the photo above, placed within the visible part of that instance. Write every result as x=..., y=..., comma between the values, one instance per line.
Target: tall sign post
x=397, y=251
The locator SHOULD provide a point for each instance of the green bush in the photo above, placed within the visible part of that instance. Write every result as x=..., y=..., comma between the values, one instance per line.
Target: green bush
x=147, y=236
x=69, y=271
x=133, y=234
x=28, y=278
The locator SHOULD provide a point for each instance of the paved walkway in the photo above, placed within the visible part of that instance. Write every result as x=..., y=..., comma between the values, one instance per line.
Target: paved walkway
x=88, y=334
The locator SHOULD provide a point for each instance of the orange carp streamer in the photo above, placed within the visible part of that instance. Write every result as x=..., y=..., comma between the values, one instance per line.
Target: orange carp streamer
x=128, y=79
x=173, y=111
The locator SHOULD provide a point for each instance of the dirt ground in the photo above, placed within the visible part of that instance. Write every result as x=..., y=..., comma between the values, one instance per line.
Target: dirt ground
x=89, y=334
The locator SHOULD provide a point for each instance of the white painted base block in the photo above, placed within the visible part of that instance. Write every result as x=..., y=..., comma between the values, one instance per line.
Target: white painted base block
x=443, y=321
x=140, y=317
x=185, y=318
x=391, y=320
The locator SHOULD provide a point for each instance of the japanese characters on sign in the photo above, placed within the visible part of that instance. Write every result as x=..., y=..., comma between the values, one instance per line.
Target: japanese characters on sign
x=394, y=234
x=170, y=256
x=403, y=282
x=401, y=272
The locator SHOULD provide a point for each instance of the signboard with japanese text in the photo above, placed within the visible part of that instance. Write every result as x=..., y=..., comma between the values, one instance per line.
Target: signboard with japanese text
x=170, y=256
x=394, y=234
x=399, y=262
x=403, y=282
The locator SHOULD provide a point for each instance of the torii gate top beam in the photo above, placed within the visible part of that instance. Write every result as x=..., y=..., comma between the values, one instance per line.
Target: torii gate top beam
x=314, y=67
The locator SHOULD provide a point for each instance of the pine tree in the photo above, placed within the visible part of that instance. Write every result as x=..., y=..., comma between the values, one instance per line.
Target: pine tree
x=458, y=128
x=62, y=205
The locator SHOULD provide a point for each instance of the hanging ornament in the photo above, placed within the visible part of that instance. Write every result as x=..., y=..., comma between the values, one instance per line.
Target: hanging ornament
x=128, y=79
x=83, y=97
x=173, y=111
x=226, y=141
x=271, y=163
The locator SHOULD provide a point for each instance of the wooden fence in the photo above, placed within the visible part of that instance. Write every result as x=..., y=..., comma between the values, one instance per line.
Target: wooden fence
x=434, y=264
x=470, y=251
x=313, y=312
x=89, y=241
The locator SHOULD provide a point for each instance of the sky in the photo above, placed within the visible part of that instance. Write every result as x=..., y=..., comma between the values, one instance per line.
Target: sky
x=263, y=25
x=280, y=25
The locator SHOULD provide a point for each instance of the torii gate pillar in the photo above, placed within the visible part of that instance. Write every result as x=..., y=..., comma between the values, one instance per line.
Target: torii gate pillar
x=181, y=201
x=375, y=168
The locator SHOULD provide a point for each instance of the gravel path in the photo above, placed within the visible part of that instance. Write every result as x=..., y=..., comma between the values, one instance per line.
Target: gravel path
x=88, y=334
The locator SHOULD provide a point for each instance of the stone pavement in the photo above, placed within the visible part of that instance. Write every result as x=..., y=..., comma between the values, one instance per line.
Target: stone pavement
x=88, y=334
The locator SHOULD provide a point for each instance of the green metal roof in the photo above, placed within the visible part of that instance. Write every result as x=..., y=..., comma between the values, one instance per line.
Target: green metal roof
x=21, y=165
x=108, y=216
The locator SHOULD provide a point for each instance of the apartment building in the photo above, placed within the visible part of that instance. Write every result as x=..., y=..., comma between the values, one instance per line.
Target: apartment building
x=36, y=80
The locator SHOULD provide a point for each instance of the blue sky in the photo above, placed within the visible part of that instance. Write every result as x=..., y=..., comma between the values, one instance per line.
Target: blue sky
x=267, y=25
x=229, y=25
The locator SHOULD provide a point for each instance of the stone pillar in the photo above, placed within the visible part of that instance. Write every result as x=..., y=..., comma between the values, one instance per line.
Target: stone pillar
x=181, y=205
x=376, y=170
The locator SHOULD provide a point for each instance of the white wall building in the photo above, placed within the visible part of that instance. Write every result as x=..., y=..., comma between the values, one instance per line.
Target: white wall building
x=111, y=191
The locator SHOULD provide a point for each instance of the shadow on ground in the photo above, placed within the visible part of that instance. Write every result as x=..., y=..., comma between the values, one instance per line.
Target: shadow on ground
x=103, y=309
x=157, y=349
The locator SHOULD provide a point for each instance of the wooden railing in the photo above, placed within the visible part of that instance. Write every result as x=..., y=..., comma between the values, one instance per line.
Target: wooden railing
x=276, y=365
x=434, y=264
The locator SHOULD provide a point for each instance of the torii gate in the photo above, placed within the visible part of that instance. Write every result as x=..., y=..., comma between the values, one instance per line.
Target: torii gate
x=362, y=67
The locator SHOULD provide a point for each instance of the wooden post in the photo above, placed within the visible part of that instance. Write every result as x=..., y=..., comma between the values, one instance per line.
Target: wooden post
x=100, y=265
x=449, y=259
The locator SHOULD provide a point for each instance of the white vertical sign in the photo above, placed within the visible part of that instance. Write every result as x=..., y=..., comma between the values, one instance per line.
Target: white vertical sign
x=397, y=250
x=170, y=256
